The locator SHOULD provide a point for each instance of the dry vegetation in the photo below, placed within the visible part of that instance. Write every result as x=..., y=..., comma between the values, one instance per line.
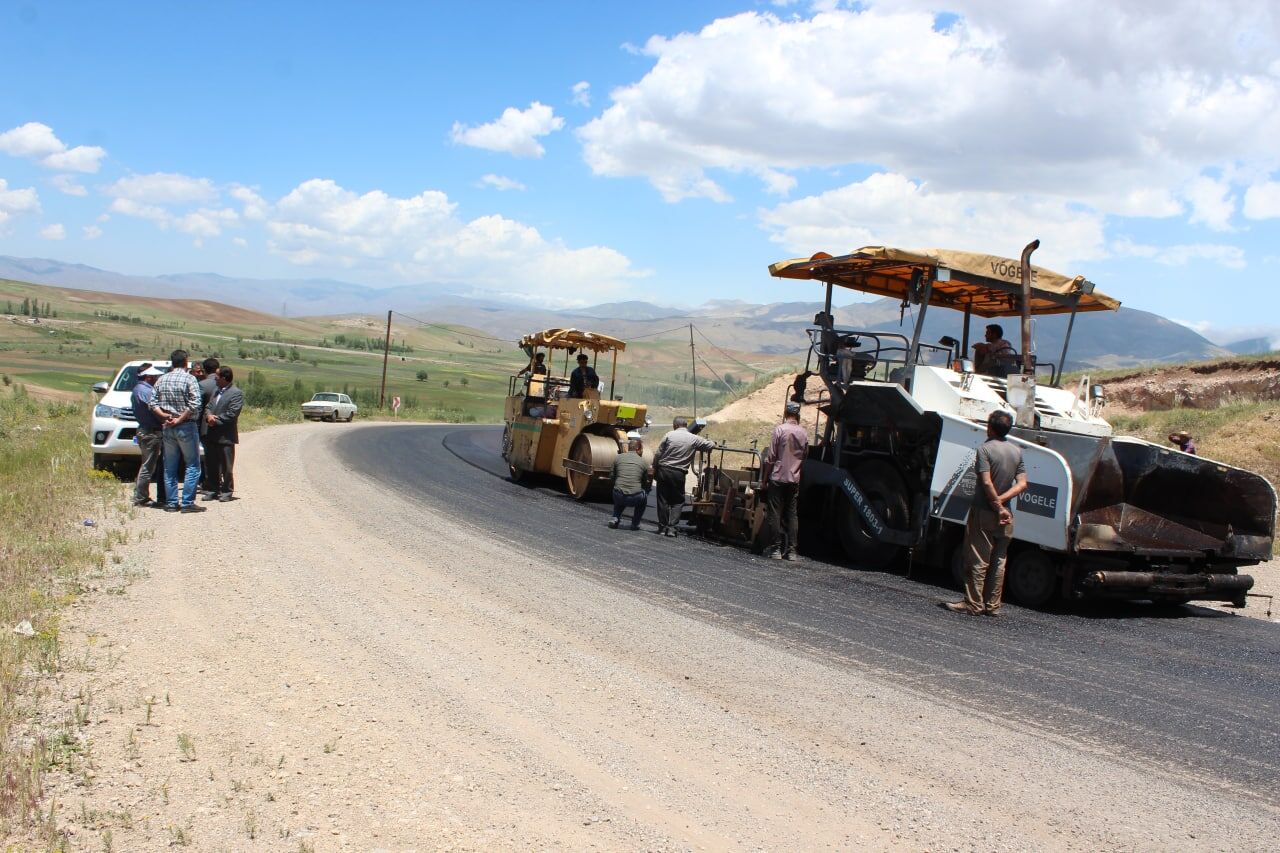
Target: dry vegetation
x=1246, y=435
x=47, y=491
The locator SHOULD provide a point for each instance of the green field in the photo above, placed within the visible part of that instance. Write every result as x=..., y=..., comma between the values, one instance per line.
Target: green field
x=81, y=337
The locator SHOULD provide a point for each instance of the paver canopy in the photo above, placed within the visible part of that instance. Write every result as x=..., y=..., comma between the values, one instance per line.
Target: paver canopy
x=987, y=284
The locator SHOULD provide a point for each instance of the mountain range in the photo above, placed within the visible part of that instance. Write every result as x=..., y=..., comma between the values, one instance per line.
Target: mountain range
x=1106, y=339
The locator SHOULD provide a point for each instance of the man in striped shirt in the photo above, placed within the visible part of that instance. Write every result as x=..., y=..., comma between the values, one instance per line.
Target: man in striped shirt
x=177, y=401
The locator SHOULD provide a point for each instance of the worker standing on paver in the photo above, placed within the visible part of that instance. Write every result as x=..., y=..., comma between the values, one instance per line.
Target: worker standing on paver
x=1001, y=476
x=780, y=474
x=670, y=468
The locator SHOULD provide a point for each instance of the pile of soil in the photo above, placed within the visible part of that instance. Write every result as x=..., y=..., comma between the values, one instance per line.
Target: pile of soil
x=1200, y=386
x=767, y=403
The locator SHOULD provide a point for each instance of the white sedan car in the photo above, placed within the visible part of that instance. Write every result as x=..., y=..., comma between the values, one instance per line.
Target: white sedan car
x=329, y=406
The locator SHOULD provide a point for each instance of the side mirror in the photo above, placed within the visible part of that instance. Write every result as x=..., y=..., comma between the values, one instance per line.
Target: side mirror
x=1097, y=392
x=698, y=426
x=101, y=387
x=966, y=365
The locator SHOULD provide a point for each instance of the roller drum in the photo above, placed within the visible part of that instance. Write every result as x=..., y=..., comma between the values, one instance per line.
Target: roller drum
x=597, y=452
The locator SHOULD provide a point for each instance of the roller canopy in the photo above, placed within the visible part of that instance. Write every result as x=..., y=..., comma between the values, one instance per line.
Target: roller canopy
x=989, y=285
x=571, y=339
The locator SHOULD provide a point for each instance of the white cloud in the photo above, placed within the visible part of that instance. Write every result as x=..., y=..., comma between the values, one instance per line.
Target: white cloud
x=889, y=209
x=82, y=158
x=56, y=231
x=1115, y=105
x=17, y=201
x=1212, y=204
x=92, y=232
x=129, y=207
x=69, y=185
x=515, y=132
x=32, y=140
x=36, y=141
x=1182, y=254
x=1262, y=200
x=255, y=207
x=206, y=222
x=500, y=182
x=240, y=241
x=582, y=93
x=320, y=223
x=1200, y=327
x=163, y=188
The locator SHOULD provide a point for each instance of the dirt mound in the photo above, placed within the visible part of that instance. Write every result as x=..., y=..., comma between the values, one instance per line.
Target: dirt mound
x=1200, y=386
x=765, y=405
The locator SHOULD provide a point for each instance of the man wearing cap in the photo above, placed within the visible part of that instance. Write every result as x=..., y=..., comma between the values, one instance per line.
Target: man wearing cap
x=670, y=468
x=781, y=477
x=149, y=433
x=1183, y=441
x=584, y=376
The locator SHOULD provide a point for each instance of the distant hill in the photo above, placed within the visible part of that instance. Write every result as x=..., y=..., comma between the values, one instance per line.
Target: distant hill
x=1253, y=346
x=1103, y=339
x=632, y=310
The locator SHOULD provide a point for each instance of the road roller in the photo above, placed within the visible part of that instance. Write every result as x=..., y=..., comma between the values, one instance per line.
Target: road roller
x=566, y=426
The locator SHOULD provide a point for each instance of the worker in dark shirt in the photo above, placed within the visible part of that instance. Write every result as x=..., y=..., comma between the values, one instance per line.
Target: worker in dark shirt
x=537, y=366
x=583, y=377
x=631, y=483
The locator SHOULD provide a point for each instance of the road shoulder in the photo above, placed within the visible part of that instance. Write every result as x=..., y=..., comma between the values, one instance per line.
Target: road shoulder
x=328, y=665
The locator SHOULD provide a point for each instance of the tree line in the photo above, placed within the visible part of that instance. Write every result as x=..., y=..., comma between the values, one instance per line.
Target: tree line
x=30, y=308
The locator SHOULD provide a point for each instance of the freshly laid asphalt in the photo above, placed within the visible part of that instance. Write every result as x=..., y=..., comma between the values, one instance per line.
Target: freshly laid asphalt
x=1193, y=690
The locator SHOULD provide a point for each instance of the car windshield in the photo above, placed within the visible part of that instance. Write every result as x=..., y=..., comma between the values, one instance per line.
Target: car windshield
x=129, y=376
x=325, y=398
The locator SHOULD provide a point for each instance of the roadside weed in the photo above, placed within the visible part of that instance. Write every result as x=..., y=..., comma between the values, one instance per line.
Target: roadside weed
x=186, y=748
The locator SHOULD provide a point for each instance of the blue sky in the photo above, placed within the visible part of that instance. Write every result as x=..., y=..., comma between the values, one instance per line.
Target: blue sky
x=578, y=152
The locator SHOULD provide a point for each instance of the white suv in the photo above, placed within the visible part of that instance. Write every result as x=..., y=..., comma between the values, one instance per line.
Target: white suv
x=113, y=427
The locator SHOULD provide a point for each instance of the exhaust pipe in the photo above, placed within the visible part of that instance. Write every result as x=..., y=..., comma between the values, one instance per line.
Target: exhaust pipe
x=1170, y=582
x=1025, y=270
x=1021, y=388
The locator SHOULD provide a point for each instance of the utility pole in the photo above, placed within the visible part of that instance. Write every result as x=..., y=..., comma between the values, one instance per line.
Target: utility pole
x=386, y=350
x=693, y=362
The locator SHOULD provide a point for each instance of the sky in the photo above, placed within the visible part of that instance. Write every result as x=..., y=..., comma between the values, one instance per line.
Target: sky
x=576, y=152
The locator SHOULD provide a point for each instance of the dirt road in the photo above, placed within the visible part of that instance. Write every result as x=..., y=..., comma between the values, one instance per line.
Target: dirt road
x=329, y=665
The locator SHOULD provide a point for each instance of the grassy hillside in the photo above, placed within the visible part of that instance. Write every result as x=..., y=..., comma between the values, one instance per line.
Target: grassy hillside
x=81, y=337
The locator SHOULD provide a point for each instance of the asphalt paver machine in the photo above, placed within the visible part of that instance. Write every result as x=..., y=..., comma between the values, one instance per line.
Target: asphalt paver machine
x=890, y=471
x=572, y=438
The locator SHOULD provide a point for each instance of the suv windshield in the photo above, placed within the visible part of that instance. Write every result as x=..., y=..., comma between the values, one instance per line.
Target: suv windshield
x=325, y=398
x=128, y=378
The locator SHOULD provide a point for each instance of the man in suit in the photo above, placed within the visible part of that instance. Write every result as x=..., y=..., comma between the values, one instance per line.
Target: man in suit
x=222, y=433
x=208, y=377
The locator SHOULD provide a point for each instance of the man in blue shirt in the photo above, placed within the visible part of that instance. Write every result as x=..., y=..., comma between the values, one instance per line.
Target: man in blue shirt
x=150, y=436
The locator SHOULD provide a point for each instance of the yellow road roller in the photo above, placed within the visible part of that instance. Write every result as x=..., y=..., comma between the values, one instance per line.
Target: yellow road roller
x=561, y=419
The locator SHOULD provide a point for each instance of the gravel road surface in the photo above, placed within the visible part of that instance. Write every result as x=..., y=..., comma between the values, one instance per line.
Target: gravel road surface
x=386, y=646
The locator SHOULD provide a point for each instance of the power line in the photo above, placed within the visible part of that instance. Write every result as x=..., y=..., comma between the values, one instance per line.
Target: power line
x=655, y=334
x=717, y=376
x=452, y=330
x=725, y=354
